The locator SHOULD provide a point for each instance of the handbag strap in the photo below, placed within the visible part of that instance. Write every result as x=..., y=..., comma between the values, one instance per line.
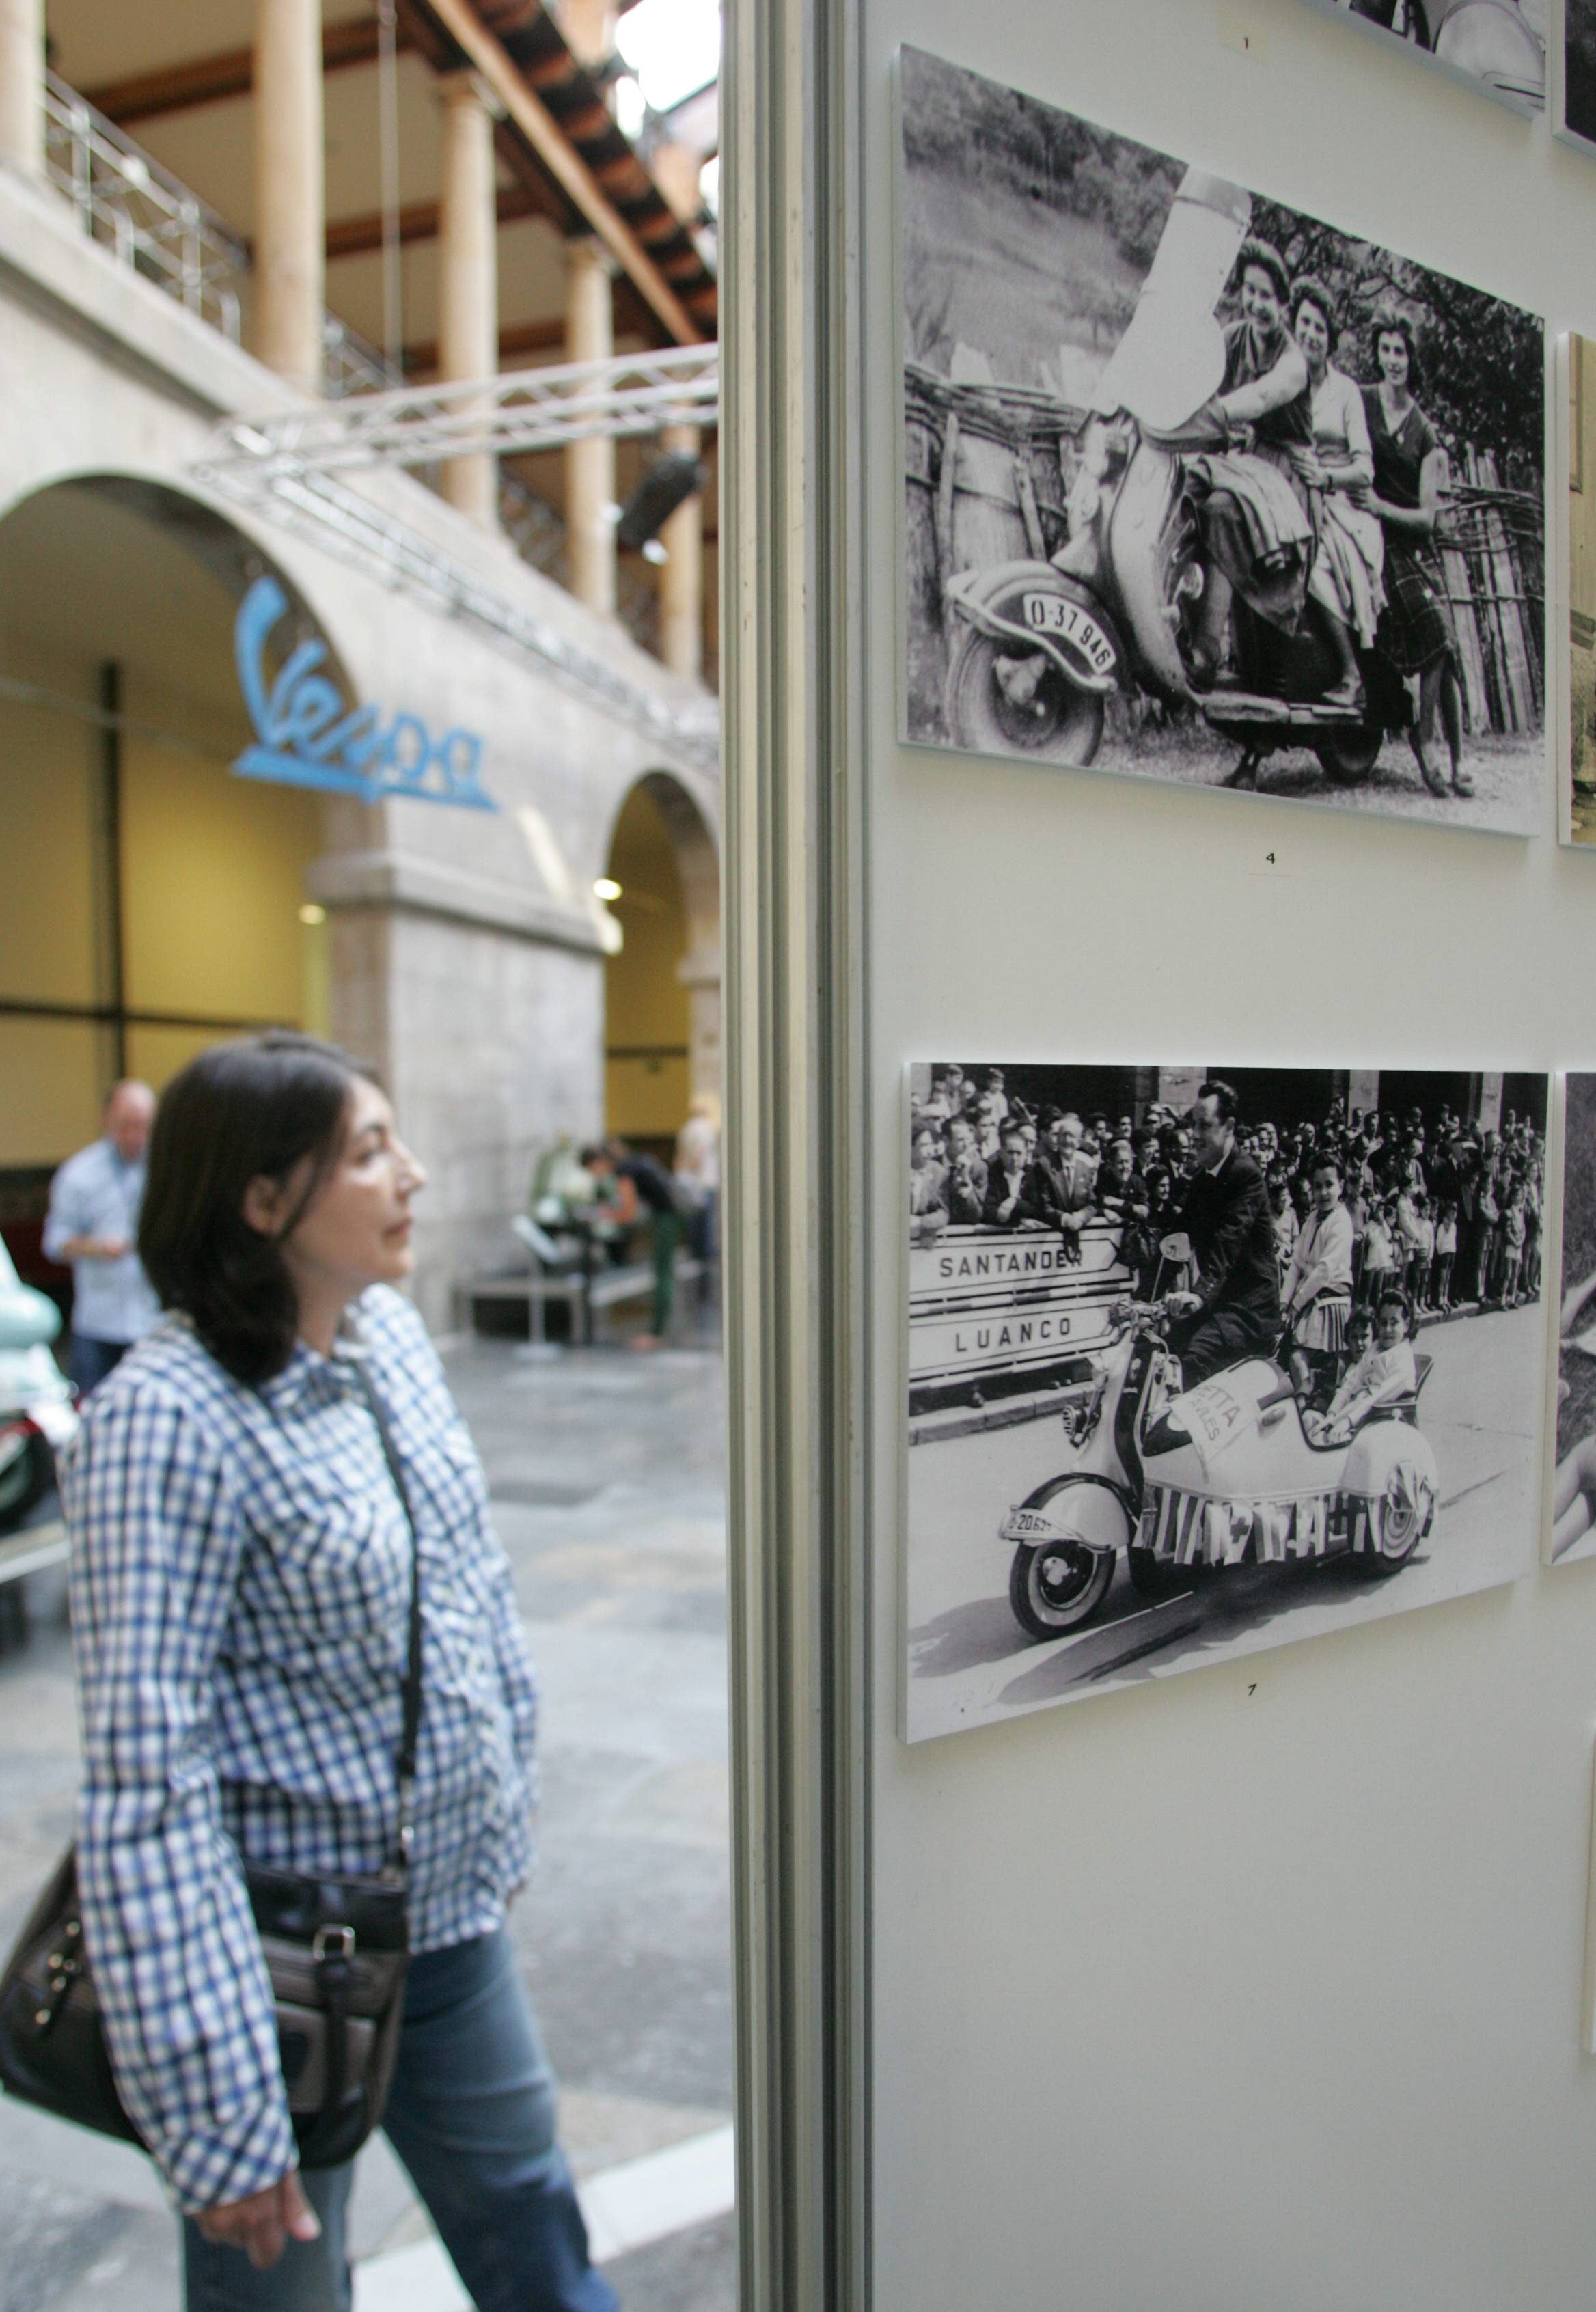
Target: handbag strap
x=410, y=1729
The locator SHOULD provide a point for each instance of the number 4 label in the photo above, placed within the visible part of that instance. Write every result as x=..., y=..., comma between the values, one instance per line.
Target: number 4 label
x=1274, y=860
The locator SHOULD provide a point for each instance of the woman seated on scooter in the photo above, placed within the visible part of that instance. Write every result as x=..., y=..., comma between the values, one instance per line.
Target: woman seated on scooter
x=1410, y=480
x=1383, y=1372
x=1347, y=583
x=1256, y=527
x=1316, y=1294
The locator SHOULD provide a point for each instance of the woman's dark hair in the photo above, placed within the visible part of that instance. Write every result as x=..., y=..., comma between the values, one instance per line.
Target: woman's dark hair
x=1388, y=323
x=1268, y=260
x=1311, y=291
x=239, y=1112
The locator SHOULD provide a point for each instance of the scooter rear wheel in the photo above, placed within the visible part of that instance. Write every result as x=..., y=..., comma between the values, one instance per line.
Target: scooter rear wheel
x=1059, y=722
x=1348, y=756
x=1058, y=1586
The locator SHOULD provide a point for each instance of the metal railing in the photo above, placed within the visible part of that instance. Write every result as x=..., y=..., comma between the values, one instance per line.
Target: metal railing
x=351, y=364
x=538, y=534
x=153, y=223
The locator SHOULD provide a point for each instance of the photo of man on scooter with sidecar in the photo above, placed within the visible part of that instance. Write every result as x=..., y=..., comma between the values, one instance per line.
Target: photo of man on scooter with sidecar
x=1198, y=488
x=1177, y=1430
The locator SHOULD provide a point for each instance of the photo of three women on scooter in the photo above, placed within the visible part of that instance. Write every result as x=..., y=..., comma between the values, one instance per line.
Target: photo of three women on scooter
x=1198, y=488
x=1203, y=1361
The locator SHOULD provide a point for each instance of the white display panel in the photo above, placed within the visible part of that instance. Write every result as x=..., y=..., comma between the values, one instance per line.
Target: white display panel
x=1261, y=1986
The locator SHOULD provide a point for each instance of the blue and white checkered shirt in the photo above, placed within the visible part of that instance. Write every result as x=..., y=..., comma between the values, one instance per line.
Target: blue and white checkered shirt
x=241, y=1571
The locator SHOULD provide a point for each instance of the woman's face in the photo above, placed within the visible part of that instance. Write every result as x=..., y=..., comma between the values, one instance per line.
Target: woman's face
x=1313, y=336
x=1327, y=1188
x=1260, y=300
x=357, y=1231
x=1392, y=355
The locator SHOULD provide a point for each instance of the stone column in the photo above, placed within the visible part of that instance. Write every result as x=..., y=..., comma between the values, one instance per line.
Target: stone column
x=468, y=281
x=700, y=974
x=22, y=85
x=590, y=465
x=290, y=197
x=681, y=576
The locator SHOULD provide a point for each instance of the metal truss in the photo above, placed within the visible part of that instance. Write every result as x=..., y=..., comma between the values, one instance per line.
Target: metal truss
x=502, y=417
x=341, y=520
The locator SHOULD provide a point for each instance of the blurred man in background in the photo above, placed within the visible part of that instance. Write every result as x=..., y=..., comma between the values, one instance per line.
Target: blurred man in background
x=93, y=1227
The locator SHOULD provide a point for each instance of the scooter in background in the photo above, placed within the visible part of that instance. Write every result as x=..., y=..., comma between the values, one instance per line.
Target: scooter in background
x=38, y=1414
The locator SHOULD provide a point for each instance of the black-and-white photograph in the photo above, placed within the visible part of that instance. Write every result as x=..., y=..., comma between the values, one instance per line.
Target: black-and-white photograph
x=1206, y=1360
x=1201, y=489
x=1572, y=1524
x=1576, y=30
x=1497, y=45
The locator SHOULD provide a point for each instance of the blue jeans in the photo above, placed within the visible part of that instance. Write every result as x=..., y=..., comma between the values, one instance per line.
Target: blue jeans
x=471, y=2114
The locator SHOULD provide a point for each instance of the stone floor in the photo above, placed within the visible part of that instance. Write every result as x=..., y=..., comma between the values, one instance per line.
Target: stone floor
x=607, y=1471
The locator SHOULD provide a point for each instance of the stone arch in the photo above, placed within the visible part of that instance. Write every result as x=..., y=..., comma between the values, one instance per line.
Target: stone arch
x=166, y=902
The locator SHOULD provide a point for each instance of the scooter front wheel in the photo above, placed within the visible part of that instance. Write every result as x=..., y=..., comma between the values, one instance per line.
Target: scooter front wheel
x=1058, y=1586
x=1036, y=711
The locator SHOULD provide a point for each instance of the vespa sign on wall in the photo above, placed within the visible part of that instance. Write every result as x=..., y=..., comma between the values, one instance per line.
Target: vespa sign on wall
x=308, y=735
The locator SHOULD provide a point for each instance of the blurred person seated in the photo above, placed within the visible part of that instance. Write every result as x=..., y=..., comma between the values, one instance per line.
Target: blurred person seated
x=1019, y=1194
x=631, y=1182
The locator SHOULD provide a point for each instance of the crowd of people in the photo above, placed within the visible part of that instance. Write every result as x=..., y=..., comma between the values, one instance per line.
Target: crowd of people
x=1447, y=1210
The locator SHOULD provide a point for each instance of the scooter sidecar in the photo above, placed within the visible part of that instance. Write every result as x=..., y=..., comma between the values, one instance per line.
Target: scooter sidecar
x=1230, y=1474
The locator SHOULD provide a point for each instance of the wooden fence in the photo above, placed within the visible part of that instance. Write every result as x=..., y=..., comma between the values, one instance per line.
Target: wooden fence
x=987, y=473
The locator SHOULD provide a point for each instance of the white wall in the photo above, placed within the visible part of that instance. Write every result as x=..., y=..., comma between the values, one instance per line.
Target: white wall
x=1257, y=1990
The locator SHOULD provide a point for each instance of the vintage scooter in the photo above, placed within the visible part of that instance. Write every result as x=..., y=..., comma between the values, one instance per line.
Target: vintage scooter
x=1042, y=646
x=36, y=1415
x=1222, y=1474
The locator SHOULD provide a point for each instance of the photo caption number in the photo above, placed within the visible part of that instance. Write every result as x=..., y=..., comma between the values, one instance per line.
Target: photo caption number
x=1276, y=860
x=1238, y=31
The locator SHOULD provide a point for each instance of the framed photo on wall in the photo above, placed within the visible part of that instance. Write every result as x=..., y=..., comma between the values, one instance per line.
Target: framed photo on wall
x=1198, y=488
x=1204, y=1360
x=1573, y=48
x=1498, y=46
x=1571, y=1523
x=1576, y=771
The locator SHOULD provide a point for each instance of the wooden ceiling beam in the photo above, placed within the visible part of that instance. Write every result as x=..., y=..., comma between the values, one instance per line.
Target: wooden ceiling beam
x=520, y=337
x=356, y=236
x=464, y=35
x=208, y=80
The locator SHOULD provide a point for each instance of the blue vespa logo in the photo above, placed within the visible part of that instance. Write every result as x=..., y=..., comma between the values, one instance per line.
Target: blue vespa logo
x=307, y=736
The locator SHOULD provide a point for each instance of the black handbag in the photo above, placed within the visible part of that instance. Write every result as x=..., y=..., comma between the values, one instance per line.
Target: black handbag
x=336, y=1949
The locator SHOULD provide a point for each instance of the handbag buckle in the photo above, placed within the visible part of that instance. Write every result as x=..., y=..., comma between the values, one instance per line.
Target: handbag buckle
x=333, y=1942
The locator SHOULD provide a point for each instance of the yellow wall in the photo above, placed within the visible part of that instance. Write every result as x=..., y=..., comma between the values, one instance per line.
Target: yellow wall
x=645, y=1004
x=214, y=876
x=48, y=809
x=213, y=881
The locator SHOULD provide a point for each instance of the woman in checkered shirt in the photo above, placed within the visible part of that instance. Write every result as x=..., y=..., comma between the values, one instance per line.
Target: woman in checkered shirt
x=240, y=1580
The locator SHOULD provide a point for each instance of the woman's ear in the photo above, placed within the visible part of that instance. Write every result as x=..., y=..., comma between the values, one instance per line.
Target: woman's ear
x=263, y=1205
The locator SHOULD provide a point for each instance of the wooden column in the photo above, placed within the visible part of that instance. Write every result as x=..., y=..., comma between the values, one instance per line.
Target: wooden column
x=681, y=575
x=590, y=465
x=22, y=85
x=468, y=285
x=290, y=196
